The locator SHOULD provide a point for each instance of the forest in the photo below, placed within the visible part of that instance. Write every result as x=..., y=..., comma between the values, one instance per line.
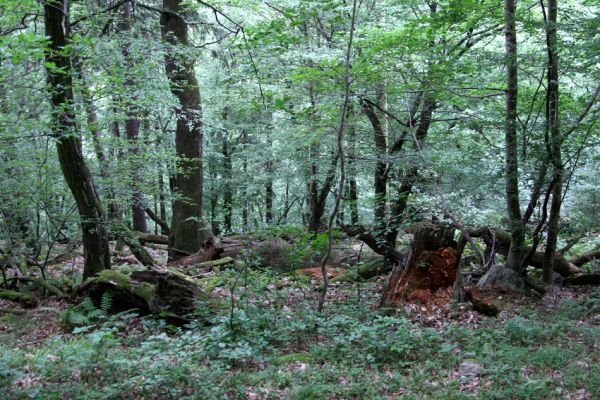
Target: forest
x=299, y=199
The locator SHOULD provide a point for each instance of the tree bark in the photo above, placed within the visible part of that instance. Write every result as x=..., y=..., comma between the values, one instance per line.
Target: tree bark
x=68, y=145
x=381, y=166
x=132, y=125
x=188, y=228
x=554, y=135
x=352, y=185
x=227, y=185
x=517, y=228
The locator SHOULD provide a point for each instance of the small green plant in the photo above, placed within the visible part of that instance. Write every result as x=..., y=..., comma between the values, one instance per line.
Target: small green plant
x=86, y=313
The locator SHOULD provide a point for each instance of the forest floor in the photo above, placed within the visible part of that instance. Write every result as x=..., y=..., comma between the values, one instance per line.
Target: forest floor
x=270, y=343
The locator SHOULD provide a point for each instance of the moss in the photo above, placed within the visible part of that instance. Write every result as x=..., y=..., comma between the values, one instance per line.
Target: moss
x=178, y=273
x=24, y=298
x=210, y=283
x=293, y=357
x=216, y=263
x=109, y=275
x=144, y=290
x=49, y=287
x=365, y=271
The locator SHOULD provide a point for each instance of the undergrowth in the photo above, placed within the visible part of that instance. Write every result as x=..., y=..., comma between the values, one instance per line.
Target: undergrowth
x=267, y=350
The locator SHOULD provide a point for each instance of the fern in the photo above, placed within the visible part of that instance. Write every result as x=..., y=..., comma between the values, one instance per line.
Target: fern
x=105, y=302
x=86, y=313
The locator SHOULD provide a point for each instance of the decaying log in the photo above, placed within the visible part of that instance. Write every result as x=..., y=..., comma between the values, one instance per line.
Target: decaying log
x=148, y=292
x=367, y=270
x=274, y=253
x=150, y=238
x=584, y=279
x=208, y=252
x=586, y=258
x=26, y=299
x=430, y=265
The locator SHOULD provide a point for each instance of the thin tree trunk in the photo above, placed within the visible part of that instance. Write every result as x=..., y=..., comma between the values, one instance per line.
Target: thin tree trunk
x=516, y=250
x=132, y=127
x=245, y=189
x=188, y=228
x=227, y=185
x=68, y=144
x=380, y=177
x=553, y=132
x=352, y=185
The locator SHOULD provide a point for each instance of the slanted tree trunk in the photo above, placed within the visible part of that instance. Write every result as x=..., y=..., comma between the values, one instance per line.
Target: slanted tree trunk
x=553, y=132
x=68, y=144
x=188, y=228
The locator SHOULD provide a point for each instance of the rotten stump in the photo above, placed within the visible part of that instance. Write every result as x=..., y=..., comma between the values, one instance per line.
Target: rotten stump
x=430, y=265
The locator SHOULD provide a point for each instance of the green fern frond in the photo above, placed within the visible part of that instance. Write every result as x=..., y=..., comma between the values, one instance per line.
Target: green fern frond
x=105, y=302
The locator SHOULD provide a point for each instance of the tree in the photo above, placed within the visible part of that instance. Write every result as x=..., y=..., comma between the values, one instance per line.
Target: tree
x=68, y=144
x=188, y=229
x=517, y=228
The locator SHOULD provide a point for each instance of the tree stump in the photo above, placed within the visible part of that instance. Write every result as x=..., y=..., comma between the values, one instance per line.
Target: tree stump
x=430, y=265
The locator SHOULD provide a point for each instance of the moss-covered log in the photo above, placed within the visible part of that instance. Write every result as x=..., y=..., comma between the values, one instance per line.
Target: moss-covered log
x=584, y=279
x=25, y=299
x=149, y=292
x=365, y=271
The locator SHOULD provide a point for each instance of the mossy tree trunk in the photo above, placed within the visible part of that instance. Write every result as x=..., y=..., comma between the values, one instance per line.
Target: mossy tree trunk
x=68, y=144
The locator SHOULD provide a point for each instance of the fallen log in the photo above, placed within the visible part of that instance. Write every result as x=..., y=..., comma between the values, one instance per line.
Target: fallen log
x=586, y=258
x=150, y=238
x=584, y=279
x=149, y=292
x=26, y=299
x=366, y=271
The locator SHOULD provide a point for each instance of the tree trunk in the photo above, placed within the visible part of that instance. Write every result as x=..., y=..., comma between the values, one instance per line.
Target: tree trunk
x=132, y=126
x=517, y=228
x=269, y=193
x=244, y=198
x=380, y=177
x=227, y=186
x=553, y=132
x=410, y=177
x=68, y=144
x=352, y=185
x=188, y=229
